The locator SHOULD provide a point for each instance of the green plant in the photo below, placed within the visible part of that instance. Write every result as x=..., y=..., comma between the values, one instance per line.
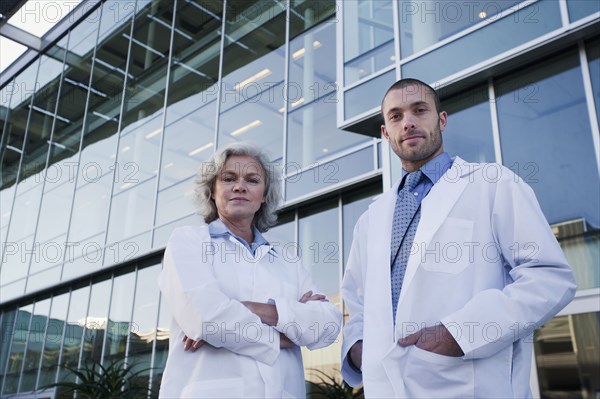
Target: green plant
x=329, y=387
x=115, y=380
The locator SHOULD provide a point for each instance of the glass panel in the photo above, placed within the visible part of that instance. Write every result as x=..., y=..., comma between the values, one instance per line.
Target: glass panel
x=78, y=306
x=137, y=158
x=35, y=344
x=175, y=202
x=132, y=211
x=318, y=238
x=195, y=59
x=567, y=354
x=127, y=249
x=51, y=262
x=95, y=322
x=583, y=254
x=539, y=111
x=312, y=66
x=368, y=27
x=119, y=317
x=90, y=209
x=142, y=332
x=148, y=61
x=12, y=290
x=354, y=205
x=581, y=8
x=259, y=120
x=425, y=23
x=6, y=333
x=368, y=95
x=15, y=261
x=54, y=337
x=469, y=130
x=188, y=142
x=329, y=174
x=253, y=66
x=283, y=236
x=305, y=14
x=162, y=234
x=83, y=257
x=17, y=350
x=593, y=55
x=507, y=33
x=313, y=135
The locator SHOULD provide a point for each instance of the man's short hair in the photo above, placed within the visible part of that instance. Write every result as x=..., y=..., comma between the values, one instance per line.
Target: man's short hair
x=402, y=83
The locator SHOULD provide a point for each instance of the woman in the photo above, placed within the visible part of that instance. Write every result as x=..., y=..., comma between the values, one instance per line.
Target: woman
x=241, y=308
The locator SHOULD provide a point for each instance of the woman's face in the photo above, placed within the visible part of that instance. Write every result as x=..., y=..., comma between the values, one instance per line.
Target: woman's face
x=239, y=189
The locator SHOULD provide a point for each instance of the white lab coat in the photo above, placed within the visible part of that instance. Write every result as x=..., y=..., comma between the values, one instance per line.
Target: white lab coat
x=484, y=263
x=204, y=283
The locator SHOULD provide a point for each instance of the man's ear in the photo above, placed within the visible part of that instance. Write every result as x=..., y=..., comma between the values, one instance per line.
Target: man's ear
x=384, y=133
x=443, y=120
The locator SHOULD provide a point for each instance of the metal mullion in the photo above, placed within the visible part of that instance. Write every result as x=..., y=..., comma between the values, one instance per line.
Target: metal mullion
x=62, y=341
x=37, y=379
x=119, y=126
x=286, y=80
x=564, y=12
x=3, y=140
x=127, y=342
x=81, y=138
x=397, y=42
x=164, y=121
x=26, y=348
x=84, y=329
x=340, y=247
x=153, y=355
x=110, y=305
x=495, y=123
x=589, y=99
x=220, y=78
x=45, y=172
x=339, y=53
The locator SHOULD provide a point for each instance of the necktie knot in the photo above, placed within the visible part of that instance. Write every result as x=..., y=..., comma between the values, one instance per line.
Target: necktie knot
x=412, y=180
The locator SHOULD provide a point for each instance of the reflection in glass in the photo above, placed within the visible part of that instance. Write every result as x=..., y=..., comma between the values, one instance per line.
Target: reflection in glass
x=34, y=348
x=54, y=337
x=354, y=205
x=118, y=327
x=17, y=350
x=142, y=332
x=367, y=96
x=368, y=31
x=539, y=111
x=187, y=143
x=131, y=211
x=313, y=134
x=423, y=24
x=6, y=333
x=529, y=23
x=90, y=209
x=567, y=355
x=469, y=130
x=583, y=254
x=96, y=322
x=175, y=202
x=75, y=322
x=304, y=14
x=162, y=343
x=582, y=8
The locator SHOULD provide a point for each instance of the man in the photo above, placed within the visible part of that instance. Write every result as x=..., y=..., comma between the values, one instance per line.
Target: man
x=445, y=288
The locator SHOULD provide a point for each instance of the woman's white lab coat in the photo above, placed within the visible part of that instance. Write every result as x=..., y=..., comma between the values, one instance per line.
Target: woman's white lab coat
x=204, y=282
x=484, y=263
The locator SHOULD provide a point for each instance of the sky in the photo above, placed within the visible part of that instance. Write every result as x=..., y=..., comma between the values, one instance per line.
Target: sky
x=36, y=17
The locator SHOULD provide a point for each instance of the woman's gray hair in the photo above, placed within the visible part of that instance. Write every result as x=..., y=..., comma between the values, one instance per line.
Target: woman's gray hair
x=207, y=175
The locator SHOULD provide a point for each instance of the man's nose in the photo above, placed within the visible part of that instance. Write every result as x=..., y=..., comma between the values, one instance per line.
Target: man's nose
x=409, y=123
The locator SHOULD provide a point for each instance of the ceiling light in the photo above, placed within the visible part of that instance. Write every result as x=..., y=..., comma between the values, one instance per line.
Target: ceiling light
x=264, y=73
x=199, y=150
x=300, y=53
x=244, y=129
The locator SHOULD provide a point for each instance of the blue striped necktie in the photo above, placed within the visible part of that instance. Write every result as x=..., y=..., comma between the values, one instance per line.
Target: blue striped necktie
x=406, y=219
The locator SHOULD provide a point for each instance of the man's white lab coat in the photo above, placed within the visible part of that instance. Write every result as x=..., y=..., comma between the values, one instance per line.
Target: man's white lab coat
x=484, y=263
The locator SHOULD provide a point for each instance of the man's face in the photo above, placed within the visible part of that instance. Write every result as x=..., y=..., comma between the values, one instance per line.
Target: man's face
x=412, y=125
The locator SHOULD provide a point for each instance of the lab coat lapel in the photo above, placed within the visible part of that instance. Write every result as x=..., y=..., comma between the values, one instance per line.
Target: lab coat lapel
x=379, y=306
x=434, y=210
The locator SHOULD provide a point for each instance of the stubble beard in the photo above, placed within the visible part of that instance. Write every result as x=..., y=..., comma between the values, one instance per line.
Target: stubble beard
x=419, y=153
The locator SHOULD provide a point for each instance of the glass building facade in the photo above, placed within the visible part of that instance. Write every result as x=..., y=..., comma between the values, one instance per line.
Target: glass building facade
x=103, y=132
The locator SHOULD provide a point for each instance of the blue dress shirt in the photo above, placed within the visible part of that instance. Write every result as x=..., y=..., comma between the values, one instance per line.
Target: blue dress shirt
x=217, y=228
x=432, y=171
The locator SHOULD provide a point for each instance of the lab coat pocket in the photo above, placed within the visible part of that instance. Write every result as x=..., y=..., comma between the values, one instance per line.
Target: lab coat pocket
x=428, y=374
x=451, y=248
x=218, y=388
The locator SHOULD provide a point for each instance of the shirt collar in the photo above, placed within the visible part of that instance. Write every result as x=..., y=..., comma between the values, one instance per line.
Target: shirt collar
x=217, y=228
x=435, y=168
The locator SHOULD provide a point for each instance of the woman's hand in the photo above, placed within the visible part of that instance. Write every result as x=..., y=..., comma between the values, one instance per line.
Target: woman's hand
x=191, y=345
x=308, y=296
